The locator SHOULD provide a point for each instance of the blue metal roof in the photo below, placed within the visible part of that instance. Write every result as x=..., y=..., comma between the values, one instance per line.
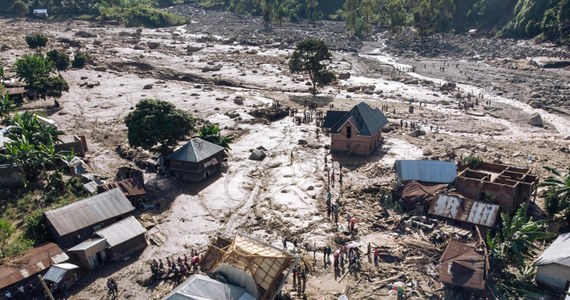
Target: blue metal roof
x=196, y=150
x=432, y=171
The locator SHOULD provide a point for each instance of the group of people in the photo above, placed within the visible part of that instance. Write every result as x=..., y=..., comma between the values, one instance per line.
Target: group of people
x=300, y=278
x=176, y=269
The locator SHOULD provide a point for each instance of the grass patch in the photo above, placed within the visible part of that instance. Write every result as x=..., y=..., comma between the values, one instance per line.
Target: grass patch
x=142, y=15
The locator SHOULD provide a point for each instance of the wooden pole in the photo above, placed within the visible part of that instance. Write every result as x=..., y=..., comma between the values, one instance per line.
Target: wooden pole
x=48, y=292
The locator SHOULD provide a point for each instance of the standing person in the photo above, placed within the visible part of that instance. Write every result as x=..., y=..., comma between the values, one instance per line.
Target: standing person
x=291, y=157
x=303, y=275
x=335, y=212
x=376, y=254
x=332, y=177
x=369, y=252
x=294, y=277
x=285, y=243
x=325, y=263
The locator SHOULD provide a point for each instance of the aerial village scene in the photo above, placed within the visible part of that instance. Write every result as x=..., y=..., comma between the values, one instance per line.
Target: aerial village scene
x=284, y=149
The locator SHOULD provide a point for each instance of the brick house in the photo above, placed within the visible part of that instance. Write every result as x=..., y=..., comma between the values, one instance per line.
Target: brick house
x=356, y=131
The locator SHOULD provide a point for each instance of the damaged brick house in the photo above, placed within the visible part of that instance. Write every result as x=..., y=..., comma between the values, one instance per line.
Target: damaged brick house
x=508, y=186
x=356, y=131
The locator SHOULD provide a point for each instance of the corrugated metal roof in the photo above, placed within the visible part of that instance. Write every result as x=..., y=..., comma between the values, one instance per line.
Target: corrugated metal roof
x=121, y=231
x=205, y=288
x=332, y=117
x=131, y=187
x=462, y=265
x=196, y=150
x=557, y=253
x=30, y=263
x=369, y=120
x=88, y=212
x=466, y=210
x=432, y=171
x=86, y=245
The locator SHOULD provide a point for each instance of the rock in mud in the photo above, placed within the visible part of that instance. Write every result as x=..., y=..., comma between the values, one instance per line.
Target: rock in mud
x=153, y=45
x=417, y=133
x=257, y=154
x=69, y=41
x=536, y=104
x=147, y=87
x=344, y=76
x=85, y=34
x=212, y=69
x=302, y=142
x=536, y=120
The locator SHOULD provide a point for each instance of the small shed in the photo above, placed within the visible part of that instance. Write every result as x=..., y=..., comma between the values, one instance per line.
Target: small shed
x=464, y=266
x=429, y=171
x=64, y=273
x=553, y=265
x=41, y=13
x=196, y=160
x=89, y=254
x=123, y=238
x=74, y=223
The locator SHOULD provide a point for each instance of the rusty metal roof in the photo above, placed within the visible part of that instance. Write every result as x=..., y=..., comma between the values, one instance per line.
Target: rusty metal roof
x=131, y=187
x=29, y=263
x=121, y=231
x=90, y=211
x=466, y=210
x=463, y=265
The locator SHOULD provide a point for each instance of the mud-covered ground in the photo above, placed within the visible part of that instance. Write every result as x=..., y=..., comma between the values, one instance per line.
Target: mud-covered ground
x=203, y=67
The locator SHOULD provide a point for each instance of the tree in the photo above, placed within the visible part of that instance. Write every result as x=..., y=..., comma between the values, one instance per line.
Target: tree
x=557, y=195
x=79, y=60
x=212, y=134
x=311, y=57
x=564, y=21
x=6, y=231
x=19, y=9
x=36, y=40
x=52, y=86
x=517, y=237
x=60, y=59
x=6, y=107
x=155, y=122
x=31, y=68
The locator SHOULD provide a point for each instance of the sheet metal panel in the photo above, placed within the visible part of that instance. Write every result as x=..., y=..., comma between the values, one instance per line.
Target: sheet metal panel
x=88, y=212
x=121, y=231
x=432, y=171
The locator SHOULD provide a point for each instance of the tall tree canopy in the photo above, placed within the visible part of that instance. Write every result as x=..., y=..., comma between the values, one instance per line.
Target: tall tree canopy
x=157, y=123
x=312, y=57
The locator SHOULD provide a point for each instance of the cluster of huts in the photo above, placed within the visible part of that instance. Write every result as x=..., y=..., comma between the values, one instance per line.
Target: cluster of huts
x=88, y=233
x=467, y=196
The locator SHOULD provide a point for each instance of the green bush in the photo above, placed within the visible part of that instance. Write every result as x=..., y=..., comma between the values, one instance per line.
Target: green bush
x=19, y=9
x=60, y=59
x=35, y=227
x=36, y=40
x=80, y=60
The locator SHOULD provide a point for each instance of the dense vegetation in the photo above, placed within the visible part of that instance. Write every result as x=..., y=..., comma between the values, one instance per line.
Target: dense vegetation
x=545, y=19
x=130, y=12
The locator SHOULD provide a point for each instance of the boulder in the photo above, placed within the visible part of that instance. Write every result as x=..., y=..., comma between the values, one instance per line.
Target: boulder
x=152, y=45
x=352, y=89
x=302, y=142
x=344, y=76
x=427, y=152
x=536, y=120
x=252, y=51
x=69, y=41
x=85, y=34
x=417, y=133
x=257, y=154
x=147, y=86
x=536, y=104
x=212, y=69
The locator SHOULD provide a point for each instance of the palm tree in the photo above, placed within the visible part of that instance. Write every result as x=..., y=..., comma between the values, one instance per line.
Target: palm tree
x=557, y=195
x=212, y=134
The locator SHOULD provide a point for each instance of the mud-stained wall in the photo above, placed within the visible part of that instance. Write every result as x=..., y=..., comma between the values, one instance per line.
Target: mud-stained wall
x=358, y=144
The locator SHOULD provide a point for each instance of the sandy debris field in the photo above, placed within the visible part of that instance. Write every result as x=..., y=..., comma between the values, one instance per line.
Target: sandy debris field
x=275, y=198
